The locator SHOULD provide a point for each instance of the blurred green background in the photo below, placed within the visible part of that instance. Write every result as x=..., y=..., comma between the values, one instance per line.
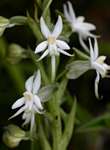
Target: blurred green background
x=96, y=12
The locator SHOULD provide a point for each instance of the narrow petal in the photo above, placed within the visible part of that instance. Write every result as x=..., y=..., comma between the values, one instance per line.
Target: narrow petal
x=80, y=19
x=96, y=53
x=62, y=44
x=18, y=103
x=66, y=14
x=97, y=84
x=91, y=50
x=83, y=44
x=44, y=55
x=71, y=11
x=18, y=112
x=88, y=34
x=63, y=52
x=41, y=47
x=87, y=26
x=44, y=29
x=29, y=84
x=38, y=102
x=26, y=121
x=27, y=118
x=37, y=82
x=58, y=27
x=37, y=110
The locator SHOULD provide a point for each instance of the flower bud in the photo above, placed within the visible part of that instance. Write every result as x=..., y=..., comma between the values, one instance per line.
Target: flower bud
x=16, y=53
x=4, y=23
x=13, y=136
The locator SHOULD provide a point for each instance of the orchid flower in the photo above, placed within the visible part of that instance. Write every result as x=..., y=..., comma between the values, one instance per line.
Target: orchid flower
x=79, y=67
x=97, y=63
x=78, y=25
x=30, y=103
x=52, y=45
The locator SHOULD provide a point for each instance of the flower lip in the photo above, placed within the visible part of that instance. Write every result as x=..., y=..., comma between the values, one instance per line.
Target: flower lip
x=51, y=40
x=28, y=95
x=101, y=59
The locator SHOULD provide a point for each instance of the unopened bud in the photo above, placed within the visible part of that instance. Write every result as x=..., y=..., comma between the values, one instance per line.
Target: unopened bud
x=4, y=23
x=16, y=53
x=13, y=136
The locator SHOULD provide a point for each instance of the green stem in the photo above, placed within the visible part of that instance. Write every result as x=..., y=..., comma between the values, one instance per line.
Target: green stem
x=56, y=123
x=53, y=64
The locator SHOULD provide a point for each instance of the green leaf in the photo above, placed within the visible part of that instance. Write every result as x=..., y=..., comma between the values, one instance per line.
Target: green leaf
x=18, y=20
x=4, y=22
x=68, y=130
x=94, y=124
x=46, y=9
x=77, y=68
x=81, y=55
x=35, y=28
x=46, y=92
x=61, y=89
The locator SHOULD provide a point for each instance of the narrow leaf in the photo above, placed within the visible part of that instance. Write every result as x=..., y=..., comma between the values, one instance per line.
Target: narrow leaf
x=68, y=131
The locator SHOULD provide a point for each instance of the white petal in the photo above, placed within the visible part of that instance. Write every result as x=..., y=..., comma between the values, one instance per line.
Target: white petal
x=67, y=16
x=63, y=52
x=44, y=29
x=37, y=110
x=62, y=44
x=37, y=82
x=53, y=64
x=80, y=19
x=99, y=68
x=41, y=47
x=29, y=84
x=18, y=112
x=44, y=55
x=97, y=84
x=91, y=50
x=27, y=118
x=71, y=11
x=58, y=27
x=87, y=26
x=18, y=103
x=26, y=121
x=88, y=34
x=96, y=53
x=83, y=44
x=38, y=102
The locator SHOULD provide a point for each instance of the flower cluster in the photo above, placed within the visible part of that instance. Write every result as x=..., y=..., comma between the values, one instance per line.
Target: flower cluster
x=52, y=45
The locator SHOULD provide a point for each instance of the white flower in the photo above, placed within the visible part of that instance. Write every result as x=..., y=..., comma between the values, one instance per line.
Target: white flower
x=52, y=45
x=78, y=25
x=98, y=64
x=30, y=103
